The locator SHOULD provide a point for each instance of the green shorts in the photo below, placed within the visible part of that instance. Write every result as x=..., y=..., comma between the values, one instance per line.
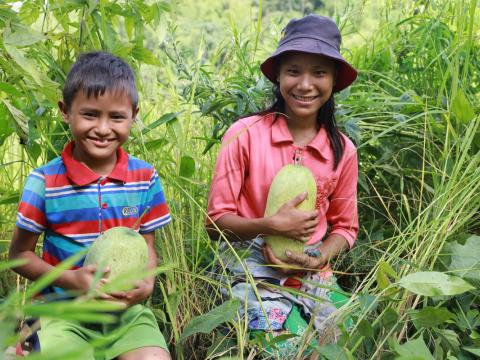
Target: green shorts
x=136, y=328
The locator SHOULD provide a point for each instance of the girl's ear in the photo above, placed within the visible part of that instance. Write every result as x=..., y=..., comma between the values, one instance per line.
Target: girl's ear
x=64, y=111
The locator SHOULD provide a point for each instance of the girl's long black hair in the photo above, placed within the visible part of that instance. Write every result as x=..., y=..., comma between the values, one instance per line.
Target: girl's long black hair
x=325, y=119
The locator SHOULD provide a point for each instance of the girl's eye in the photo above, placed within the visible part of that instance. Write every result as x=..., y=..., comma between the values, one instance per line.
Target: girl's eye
x=320, y=72
x=292, y=71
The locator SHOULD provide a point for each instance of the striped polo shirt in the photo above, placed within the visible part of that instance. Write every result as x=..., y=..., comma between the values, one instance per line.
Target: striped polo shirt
x=73, y=205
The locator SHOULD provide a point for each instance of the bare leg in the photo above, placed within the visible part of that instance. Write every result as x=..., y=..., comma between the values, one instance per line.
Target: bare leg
x=146, y=353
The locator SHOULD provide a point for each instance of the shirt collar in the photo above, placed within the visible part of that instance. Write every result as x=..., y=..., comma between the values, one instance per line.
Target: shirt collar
x=82, y=175
x=281, y=134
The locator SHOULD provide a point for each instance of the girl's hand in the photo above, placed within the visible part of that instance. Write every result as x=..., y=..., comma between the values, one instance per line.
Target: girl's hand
x=280, y=266
x=293, y=223
x=305, y=261
x=142, y=290
x=295, y=263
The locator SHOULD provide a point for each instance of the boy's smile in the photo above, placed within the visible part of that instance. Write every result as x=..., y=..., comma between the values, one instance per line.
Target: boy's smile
x=99, y=126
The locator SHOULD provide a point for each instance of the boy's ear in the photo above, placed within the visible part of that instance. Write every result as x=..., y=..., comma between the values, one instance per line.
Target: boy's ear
x=63, y=110
x=135, y=113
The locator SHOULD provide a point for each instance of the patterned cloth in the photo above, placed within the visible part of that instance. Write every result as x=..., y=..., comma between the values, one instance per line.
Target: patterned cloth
x=270, y=309
x=73, y=205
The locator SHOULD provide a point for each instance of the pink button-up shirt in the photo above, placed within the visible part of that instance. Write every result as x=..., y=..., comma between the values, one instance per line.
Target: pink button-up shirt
x=254, y=149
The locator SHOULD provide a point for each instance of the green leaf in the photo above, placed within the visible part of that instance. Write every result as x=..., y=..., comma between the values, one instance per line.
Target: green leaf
x=474, y=351
x=28, y=66
x=164, y=119
x=461, y=108
x=433, y=283
x=413, y=350
x=365, y=328
x=22, y=37
x=4, y=265
x=187, y=166
x=207, y=322
x=429, y=317
x=465, y=259
x=333, y=352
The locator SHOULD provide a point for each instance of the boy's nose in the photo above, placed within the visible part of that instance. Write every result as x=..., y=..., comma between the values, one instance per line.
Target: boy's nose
x=103, y=127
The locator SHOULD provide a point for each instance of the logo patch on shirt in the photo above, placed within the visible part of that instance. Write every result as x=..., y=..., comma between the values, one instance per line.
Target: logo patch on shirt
x=129, y=210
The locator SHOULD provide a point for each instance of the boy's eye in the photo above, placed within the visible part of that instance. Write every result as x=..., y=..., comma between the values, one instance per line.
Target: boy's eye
x=118, y=117
x=292, y=71
x=89, y=114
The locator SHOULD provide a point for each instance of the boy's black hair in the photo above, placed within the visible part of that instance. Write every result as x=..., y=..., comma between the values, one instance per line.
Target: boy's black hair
x=96, y=72
x=325, y=119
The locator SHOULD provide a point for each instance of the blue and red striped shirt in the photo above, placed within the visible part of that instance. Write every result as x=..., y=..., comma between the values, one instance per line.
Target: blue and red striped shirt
x=73, y=205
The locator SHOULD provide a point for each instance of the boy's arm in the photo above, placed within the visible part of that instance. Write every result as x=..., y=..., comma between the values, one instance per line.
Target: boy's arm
x=23, y=245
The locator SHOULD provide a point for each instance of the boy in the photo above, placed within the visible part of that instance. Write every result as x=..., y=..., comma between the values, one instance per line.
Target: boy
x=93, y=186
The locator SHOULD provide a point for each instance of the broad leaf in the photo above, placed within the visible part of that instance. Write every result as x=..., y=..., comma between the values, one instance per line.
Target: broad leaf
x=187, y=166
x=413, y=350
x=433, y=283
x=461, y=108
x=207, y=322
x=430, y=317
x=466, y=258
x=333, y=352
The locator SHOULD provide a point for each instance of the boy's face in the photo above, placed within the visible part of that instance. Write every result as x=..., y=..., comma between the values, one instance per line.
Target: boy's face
x=99, y=126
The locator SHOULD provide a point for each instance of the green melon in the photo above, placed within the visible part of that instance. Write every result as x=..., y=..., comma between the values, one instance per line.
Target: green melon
x=120, y=248
x=290, y=181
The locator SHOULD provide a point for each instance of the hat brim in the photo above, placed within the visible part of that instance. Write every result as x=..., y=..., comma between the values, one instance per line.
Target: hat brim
x=346, y=73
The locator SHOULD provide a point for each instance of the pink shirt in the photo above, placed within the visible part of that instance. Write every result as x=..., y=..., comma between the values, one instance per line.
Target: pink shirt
x=254, y=149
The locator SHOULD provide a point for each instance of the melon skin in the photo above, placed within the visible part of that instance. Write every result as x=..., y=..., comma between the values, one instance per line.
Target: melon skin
x=120, y=248
x=291, y=181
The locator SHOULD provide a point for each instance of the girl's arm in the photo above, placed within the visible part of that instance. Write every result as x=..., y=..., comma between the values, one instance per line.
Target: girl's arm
x=23, y=245
x=288, y=221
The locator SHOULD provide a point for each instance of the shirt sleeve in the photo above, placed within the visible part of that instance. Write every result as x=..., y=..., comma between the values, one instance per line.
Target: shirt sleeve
x=229, y=174
x=342, y=214
x=31, y=210
x=158, y=214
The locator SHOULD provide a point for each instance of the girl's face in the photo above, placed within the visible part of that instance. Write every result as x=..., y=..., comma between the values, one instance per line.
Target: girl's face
x=306, y=83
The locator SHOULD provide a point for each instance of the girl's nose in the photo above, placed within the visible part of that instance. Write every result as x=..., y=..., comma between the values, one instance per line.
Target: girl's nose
x=305, y=82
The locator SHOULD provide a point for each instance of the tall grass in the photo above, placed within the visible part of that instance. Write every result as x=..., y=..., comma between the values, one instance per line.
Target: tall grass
x=413, y=114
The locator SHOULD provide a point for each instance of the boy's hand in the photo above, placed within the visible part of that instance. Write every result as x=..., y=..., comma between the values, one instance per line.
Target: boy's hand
x=142, y=290
x=82, y=278
x=295, y=224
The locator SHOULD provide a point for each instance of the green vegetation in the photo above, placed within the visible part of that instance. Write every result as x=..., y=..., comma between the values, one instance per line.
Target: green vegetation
x=413, y=277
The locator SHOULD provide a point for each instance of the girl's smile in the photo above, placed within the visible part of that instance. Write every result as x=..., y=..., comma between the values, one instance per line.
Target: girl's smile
x=306, y=83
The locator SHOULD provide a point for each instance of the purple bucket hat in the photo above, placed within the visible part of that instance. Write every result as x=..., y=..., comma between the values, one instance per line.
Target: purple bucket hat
x=315, y=35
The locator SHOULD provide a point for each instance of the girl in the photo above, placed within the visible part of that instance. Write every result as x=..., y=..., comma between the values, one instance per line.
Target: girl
x=306, y=69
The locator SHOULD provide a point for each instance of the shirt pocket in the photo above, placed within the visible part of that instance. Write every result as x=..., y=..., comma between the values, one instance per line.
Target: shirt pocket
x=325, y=187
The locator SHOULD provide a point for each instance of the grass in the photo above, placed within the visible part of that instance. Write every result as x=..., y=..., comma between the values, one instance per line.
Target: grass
x=413, y=114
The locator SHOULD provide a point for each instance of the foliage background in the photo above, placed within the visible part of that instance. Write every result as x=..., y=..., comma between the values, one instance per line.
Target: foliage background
x=413, y=114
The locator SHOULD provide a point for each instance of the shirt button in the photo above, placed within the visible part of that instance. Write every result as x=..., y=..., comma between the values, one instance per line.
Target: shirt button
x=103, y=181
x=104, y=205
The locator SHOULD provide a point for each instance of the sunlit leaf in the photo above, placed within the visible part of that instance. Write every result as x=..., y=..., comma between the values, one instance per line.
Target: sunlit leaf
x=466, y=258
x=461, y=108
x=432, y=283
